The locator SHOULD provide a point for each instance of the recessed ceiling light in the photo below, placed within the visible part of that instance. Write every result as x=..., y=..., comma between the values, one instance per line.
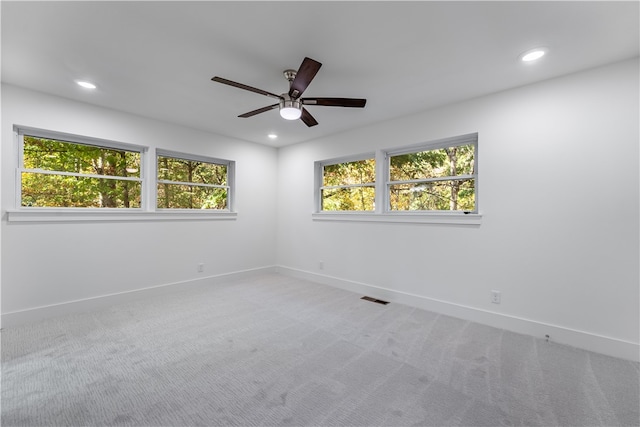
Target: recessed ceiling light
x=533, y=54
x=272, y=136
x=85, y=84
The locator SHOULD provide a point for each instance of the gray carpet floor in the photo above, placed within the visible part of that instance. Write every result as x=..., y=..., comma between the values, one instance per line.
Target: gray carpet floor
x=274, y=350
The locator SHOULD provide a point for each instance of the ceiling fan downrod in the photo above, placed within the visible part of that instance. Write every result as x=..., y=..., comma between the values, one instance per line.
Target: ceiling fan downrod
x=290, y=75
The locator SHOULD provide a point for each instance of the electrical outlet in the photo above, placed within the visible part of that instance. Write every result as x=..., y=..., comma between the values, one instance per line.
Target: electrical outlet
x=321, y=265
x=200, y=268
x=495, y=297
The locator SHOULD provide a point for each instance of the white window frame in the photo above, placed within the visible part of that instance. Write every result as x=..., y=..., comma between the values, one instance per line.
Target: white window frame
x=469, y=139
x=383, y=213
x=230, y=187
x=148, y=180
x=77, y=140
x=319, y=179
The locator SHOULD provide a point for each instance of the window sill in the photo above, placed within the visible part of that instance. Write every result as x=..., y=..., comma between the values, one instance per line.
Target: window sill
x=401, y=217
x=77, y=215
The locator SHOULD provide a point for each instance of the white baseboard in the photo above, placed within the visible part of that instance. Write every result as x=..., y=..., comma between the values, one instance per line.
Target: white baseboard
x=575, y=338
x=22, y=317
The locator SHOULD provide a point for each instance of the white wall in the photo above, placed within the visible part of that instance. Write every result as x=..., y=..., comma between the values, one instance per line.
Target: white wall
x=558, y=189
x=47, y=264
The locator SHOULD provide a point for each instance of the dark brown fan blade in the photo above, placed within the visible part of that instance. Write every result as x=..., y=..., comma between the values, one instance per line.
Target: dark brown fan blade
x=307, y=118
x=259, y=110
x=335, y=102
x=307, y=71
x=245, y=87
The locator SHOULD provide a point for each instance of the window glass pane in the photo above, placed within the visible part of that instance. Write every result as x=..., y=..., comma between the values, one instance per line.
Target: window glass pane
x=61, y=156
x=176, y=196
x=174, y=169
x=44, y=190
x=453, y=195
x=349, y=199
x=452, y=161
x=358, y=172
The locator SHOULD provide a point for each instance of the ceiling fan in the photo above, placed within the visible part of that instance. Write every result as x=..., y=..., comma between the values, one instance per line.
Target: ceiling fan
x=290, y=104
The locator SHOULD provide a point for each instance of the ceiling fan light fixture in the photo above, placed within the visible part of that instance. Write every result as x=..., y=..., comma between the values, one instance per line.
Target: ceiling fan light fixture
x=290, y=109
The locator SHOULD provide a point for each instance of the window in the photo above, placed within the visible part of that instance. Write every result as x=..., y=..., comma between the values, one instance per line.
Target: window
x=348, y=186
x=438, y=177
x=63, y=177
x=58, y=172
x=192, y=182
x=408, y=184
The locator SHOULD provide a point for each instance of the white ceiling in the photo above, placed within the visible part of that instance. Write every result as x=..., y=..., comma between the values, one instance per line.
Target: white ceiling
x=156, y=58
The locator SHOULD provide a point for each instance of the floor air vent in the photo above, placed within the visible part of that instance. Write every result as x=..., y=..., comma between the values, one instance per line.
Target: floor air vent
x=377, y=301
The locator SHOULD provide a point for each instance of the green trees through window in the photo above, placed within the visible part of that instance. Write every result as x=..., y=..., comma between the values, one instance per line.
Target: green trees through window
x=349, y=186
x=80, y=172
x=438, y=176
x=433, y=180
x=191, y=184
x=65, y=174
